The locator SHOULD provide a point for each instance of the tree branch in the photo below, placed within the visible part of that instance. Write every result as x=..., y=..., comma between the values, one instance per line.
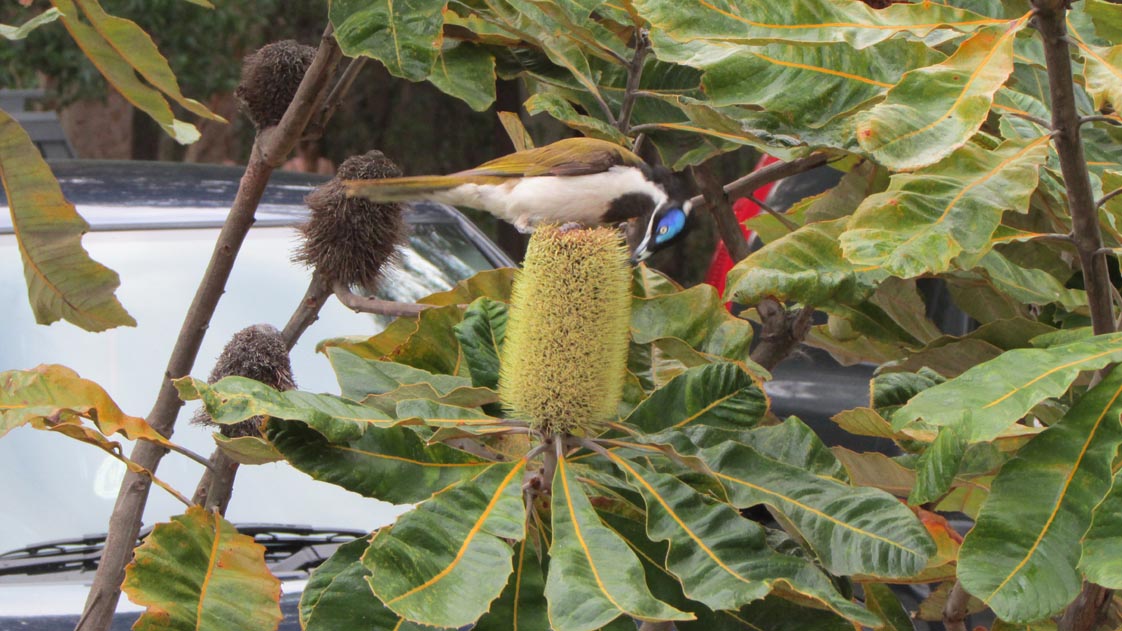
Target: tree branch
x=1049, y=19
x=362, y=304
x=954, y=611
x=270, y=149
x=780, y=332
x=766, y=175
x=1082, y=614
x=331, y=103
x=634, y=74
x=1100, y=119
x=718, y=203
x=308, y=312
x=1106, y=198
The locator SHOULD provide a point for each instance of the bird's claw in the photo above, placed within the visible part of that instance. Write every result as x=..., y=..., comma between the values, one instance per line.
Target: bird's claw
x=572, y=225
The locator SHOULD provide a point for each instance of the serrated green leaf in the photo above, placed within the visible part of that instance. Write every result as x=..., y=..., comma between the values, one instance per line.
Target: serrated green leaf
x=937, y=467
x=1102, y=70
x=197, y=573
x=1101, y=560
x=392, y=464
x=698, y=317
x=22, y=31
x=773, y=614
x=985, y=400
x=234, y=399
x=807, y=85
x=925, y=219
x=795, y=443
x=721, y=395
x=807, y=266
x=467, y=72
x=881, y=601
x=1020, y=557
x=655, y=364
x=249, y=450
x=1107, y=18
x=521, y=607
x=63, y=282
x=360, y=377
x=481, y=336
x=337, y=596
x=594, y=577
x=935, y=110
x=813, y=21
x=560, y=109
x=444, y=562
x=722, y=559
x=1029, y=285
x=853, y=530
x=402, y=35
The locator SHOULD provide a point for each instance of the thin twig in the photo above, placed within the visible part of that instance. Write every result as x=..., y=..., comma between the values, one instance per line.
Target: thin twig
x=783, y=219
x=592, y=445
x=954, y=611
x=634, y=74
x=770, y=173
x=475, y=448
x=718, y=203
x=363, y=304
x=334, y=98
x=270, y=149
x=183, y=451
x=1098, y=118
x=1106, y=198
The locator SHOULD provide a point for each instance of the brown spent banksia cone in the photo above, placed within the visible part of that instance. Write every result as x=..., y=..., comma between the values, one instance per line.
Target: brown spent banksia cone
x=257, y=352
x=565, y=352
x=350, y=239
x=270, y=77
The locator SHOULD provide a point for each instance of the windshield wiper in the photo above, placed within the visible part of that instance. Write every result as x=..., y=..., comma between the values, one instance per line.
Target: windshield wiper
x=287, y=549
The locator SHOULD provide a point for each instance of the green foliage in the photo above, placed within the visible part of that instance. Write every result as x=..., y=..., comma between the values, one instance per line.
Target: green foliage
x=472, y=513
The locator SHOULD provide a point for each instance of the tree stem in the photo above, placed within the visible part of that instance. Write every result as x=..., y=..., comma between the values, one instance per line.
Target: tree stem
x=270, y=149
x=1085, y=611
x=766, y=175
x=718, y=202
x=954, y=611
x=1050, y=16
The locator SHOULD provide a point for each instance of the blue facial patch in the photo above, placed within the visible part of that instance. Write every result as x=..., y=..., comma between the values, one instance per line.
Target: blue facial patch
x=670, y=225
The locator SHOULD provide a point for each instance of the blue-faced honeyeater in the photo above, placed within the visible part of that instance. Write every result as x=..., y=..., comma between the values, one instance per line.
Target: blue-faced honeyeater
x=573, y=181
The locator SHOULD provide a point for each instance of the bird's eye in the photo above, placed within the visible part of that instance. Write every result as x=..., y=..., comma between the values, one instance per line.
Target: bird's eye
x=670, y=225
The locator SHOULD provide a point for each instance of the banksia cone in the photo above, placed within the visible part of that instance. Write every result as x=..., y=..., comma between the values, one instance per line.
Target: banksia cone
x=350, y=239
x=257, y=352
x=565, y=352
x=270, y=77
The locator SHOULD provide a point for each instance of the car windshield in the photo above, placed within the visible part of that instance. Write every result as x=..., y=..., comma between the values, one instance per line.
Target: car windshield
x=56, y=488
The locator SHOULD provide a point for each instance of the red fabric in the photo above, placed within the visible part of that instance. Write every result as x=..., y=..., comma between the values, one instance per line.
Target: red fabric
x=745, y=209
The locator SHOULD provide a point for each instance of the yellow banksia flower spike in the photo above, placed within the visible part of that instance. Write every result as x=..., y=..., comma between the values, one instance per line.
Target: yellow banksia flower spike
x=565, y=353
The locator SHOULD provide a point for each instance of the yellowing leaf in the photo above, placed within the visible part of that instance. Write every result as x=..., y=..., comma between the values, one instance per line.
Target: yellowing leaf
x=926, y=218
x=196, y=573
x=935, y=110
x=63, y=282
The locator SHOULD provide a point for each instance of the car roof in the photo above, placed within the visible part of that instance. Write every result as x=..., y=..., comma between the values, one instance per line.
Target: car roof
x=123, y=195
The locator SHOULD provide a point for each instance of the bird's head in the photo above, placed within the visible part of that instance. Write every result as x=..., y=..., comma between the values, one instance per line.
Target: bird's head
x=669, y=220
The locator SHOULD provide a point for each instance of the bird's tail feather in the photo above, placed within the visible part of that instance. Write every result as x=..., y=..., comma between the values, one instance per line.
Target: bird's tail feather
x=400, y=189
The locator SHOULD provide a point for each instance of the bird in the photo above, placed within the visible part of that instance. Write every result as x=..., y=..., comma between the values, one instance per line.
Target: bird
x=571, y=182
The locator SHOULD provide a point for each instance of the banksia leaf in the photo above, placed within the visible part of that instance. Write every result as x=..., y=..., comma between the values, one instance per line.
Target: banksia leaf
x=565, y=351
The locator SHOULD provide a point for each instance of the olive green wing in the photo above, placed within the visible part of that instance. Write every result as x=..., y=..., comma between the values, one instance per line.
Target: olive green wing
x=571, y=156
